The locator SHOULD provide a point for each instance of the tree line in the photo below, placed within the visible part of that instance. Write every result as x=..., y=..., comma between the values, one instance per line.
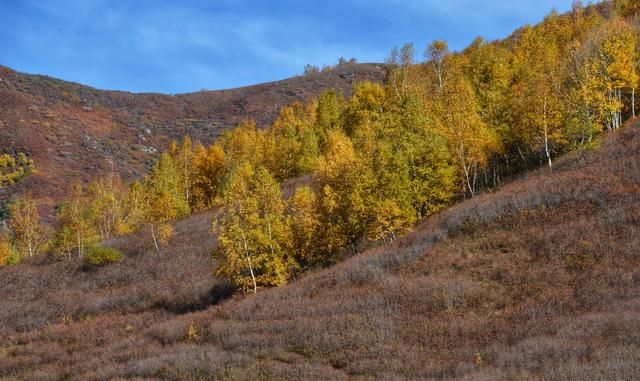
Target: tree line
x=333, y=175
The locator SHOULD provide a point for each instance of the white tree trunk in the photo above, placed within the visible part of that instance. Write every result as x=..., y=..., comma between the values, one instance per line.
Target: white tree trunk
x=155, y=241
x=466, y=169
x=547, y=150
x=79, y=243
x=246, y=253
x=633, y=102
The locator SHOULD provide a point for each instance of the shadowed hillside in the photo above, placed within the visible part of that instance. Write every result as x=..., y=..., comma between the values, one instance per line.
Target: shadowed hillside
x=539, y=280
x=73, y=131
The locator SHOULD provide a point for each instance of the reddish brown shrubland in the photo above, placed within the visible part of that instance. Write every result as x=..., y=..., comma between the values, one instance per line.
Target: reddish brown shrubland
x=540, y=280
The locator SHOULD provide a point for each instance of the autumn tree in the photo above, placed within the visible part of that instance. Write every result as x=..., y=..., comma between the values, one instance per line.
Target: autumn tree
x=291, y=144
x=311, y=69
x=344, y=183
x=253, y=234
x=399, y=68
x=489, y=69
x=7, y=252
x=430, y=164
x=304, y=212
x=607, y=69
x=29, y=234
x=76, y=229
x=164, y=199
x=244, y=143
x=209, y=171
x=14, y=168
x=469, y=138
x=435, y=55
x=183, y=159
x=537, y=95
x=134, y=208
x=627, y=7
x=106, y=197
x=329, y=109
x=364, y=112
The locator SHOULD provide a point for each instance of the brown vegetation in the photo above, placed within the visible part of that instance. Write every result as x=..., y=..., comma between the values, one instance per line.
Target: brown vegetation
x=540, y=280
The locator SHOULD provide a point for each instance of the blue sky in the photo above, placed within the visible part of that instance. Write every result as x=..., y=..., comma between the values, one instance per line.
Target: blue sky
x=188, y=45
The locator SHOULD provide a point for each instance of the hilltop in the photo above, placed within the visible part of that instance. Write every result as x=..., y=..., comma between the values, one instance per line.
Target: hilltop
x=74, y=132
x=539, y=280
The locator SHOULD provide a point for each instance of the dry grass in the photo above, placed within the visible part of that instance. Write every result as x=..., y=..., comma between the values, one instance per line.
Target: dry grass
x=537, y=281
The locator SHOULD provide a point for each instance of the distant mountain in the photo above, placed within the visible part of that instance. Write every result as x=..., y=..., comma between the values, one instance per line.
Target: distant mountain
x=73, y=132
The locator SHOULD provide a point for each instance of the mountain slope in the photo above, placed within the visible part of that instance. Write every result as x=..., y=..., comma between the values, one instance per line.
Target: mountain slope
x=73, y=131
x=539, y=280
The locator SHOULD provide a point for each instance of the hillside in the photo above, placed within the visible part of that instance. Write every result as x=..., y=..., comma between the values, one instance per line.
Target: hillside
x=538, y=280
x=74, y=131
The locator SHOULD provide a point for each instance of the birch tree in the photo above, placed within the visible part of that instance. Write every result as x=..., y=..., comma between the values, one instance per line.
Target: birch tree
x=164, y=199
x=77, y=226
x=607, y=70
x=29, y=234
x=537, y=93
x=469, y=138
x=253, y=233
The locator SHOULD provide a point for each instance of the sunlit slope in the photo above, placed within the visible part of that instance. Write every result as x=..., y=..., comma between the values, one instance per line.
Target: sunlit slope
x=539, y=280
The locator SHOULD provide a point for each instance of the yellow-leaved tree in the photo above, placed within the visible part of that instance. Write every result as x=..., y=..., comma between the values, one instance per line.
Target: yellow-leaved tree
x=8, y=254
x=470, y=140
x=291, y=144
x=183, y=160
x=537, y=93
x=76, y=224
x=209, y=170
x=253, y=232
x=345, y=184
x=304, y=213
x=607, y=70
x=14, y=168
x=164, y=199
x=29, y=234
